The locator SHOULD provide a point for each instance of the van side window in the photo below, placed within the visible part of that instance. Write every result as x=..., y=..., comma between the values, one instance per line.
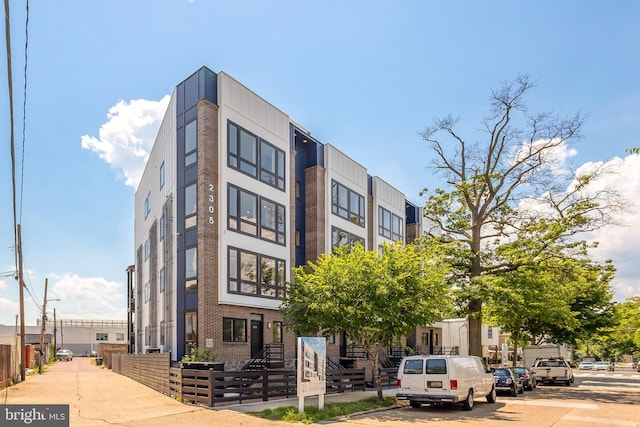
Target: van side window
x=413, y=367
x=436, y=366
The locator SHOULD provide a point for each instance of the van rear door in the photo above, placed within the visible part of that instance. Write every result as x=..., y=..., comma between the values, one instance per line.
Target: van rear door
x=436, y=375
x=412, y=376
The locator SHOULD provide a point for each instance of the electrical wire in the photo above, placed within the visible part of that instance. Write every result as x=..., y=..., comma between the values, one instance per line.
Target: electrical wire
x=24, y=105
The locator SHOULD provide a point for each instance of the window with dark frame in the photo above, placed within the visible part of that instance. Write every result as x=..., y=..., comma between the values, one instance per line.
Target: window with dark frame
x=254, y=274
x=347, y=203
x=390, y=225
x=191, y=269
x=268, y=222
x=190, y=143
x=278, y=332
x=341, y=237
x=190, y=330
x=190, y=206
x=234, y=330
x=255, y=156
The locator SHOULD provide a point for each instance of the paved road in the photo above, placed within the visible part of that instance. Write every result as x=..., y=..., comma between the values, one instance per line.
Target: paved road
x=595, y=399
x=99, y=397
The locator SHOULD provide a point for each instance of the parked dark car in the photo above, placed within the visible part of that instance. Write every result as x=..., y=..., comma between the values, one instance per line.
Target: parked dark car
x=507, y=380
x=525, y=377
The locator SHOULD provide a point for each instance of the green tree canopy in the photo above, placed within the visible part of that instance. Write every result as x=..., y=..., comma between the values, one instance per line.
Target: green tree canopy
x=563, y=300
x=374, y=297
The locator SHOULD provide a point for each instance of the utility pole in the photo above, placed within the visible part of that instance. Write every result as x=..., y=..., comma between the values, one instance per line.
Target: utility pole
x=55, y=332
x=42, y=326
x=61, y=335
x=23, y=355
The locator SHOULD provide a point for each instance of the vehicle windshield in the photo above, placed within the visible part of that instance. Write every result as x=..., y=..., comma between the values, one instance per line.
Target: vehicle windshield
x=502, y=372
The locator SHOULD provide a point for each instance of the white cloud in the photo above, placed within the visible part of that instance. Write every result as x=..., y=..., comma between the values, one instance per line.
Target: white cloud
x=127, y=137
x=88, y=297
x=555, y=154
x=620, y=242
x=9, y=306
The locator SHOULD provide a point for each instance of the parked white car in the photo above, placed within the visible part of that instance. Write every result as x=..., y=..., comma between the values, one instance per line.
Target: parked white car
x=603, y=366
x=444, y=379
x=586, y=364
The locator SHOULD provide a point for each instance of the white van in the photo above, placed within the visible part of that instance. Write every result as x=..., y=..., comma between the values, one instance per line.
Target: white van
x=444, y=379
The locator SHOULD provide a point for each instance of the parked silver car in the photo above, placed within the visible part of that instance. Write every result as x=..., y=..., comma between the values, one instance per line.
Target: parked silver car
x=64, y=354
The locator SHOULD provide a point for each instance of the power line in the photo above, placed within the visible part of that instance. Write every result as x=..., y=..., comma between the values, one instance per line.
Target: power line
x=24, y=103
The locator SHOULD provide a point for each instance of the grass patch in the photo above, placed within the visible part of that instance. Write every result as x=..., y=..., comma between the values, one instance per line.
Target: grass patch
x=330, y=412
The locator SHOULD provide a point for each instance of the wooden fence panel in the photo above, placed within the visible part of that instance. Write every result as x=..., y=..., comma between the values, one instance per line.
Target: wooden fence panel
x=211, y=387
x=5, y=365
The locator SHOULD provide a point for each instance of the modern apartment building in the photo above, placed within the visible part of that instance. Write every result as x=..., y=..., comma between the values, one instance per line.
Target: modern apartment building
x=234, y=195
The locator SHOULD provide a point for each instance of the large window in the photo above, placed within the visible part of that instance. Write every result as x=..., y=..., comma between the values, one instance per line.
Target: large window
x=267, y=222
x=234, y=330
x=190, y=206
x=190, y=143
x=254, y=156
x=191, y=269
x=254, y=274
x=161, y=227
x=347, y=204
x=340, y=237
x=390, y=225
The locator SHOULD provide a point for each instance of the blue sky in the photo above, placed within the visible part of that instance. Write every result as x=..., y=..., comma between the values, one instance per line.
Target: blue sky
x=365, y=76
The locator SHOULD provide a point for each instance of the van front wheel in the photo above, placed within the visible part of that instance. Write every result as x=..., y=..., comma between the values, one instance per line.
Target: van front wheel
x=467, y=405
x=414, y=404
x=491, y=397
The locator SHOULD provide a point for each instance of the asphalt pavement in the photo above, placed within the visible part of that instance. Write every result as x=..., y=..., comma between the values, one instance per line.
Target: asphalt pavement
x=100, y=397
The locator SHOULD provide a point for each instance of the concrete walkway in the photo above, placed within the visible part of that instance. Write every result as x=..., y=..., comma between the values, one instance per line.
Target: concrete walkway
x=99, y=397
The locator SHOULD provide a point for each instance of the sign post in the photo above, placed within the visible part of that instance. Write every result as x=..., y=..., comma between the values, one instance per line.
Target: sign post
x=312, y=369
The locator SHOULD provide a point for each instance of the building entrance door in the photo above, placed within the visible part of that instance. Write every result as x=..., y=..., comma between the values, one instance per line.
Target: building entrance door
x=257, y=334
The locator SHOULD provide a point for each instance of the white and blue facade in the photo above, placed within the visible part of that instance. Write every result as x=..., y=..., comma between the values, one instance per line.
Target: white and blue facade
x=234, y=195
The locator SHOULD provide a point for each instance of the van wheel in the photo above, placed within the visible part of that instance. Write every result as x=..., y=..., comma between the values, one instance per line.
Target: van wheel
x=414, y=404
x=467, y=405
x=491, y=397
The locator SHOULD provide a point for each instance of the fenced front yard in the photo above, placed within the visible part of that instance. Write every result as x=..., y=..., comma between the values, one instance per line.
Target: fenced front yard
x=211, y=387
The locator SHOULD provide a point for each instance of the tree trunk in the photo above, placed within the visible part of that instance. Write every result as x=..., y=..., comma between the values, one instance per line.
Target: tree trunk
x=376, y=372
x=475, y=327
x=516, y=339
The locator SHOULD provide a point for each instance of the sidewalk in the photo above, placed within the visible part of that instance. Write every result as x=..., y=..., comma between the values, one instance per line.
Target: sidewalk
x=99, y=397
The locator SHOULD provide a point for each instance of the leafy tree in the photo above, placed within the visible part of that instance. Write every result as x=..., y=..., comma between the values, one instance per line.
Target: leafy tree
x=623, y=335
x=509, y=203
x=374, y=297
x=561, y=300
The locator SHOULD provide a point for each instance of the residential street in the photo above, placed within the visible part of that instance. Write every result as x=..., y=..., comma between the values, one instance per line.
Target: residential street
x=100, y=397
